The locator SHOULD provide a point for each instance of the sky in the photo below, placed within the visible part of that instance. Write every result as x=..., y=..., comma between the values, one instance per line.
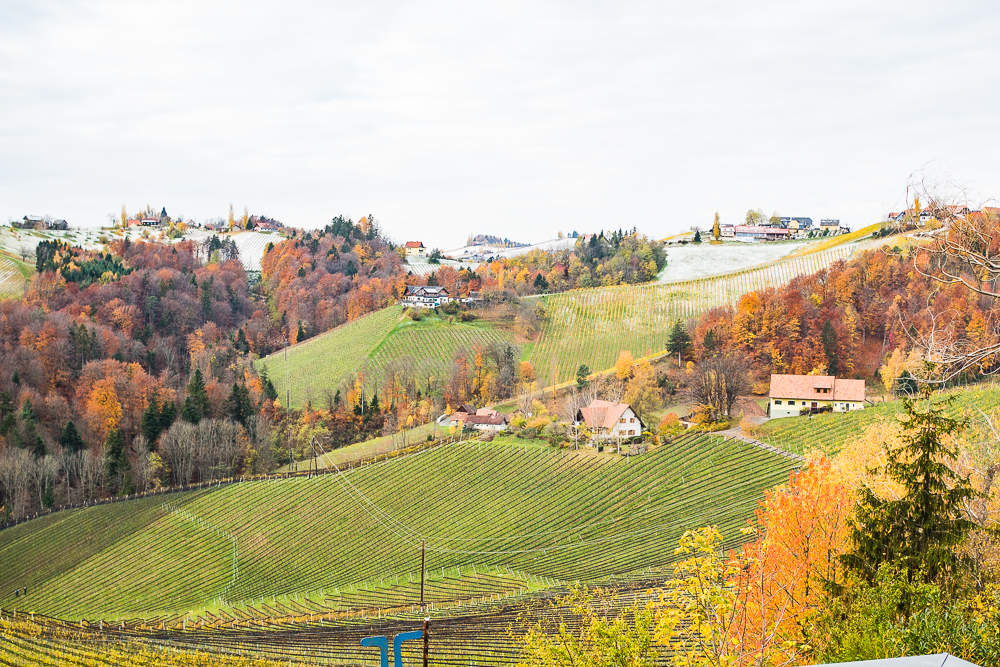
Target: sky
x=519, y=119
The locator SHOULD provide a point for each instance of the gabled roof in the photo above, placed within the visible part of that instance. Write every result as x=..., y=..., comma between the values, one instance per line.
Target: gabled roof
x=805, y=386
x=934, y=660
x=425, y=290
x=414, y=244
x=488, y=420
x=602, y=414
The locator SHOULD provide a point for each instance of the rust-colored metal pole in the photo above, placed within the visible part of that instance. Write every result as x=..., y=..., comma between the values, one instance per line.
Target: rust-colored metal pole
x=427, y=628
x=422, y=561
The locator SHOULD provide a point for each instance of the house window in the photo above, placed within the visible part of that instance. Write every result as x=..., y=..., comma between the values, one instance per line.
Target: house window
x=631, y=432
x=621, y=421
x=631, y=420
x=778, y=402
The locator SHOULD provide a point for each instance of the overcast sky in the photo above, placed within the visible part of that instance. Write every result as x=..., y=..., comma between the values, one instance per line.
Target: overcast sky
x=520, y=119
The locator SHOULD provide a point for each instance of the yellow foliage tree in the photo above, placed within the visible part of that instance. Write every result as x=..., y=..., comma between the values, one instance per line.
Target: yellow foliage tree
x=625, y=366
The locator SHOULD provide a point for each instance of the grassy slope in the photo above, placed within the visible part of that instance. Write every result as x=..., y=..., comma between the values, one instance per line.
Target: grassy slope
x=829, y=432
x=322, y=362
x=372, y=342
x=559, y=515
x=14, y=276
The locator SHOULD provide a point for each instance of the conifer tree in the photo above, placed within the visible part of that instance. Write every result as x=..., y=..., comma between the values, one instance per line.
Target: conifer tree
x=829, y=340
x=190, y=412
x=918, y=533
x=238, y=405
x=150, y=424
x=69, y=438
x=198, y=395
x=116, y=460
x=678, y=341
x=168, y=414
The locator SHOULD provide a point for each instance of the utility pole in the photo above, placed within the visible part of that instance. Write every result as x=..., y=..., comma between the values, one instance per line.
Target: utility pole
x=427, y=628
x=422, y=544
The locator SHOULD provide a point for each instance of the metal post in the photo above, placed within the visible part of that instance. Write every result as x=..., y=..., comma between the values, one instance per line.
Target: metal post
x=427, y=627
x=422, y=561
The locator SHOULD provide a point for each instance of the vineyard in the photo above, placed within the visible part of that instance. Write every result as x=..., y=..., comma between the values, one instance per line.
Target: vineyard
x=251, y=246
x=13, y=277
x=592, y=326
x=501, y=522
x=370, y=344
x=829, y=432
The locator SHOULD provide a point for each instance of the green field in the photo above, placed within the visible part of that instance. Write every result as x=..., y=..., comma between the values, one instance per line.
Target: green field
x=499, y=520
x=370, y=344
x=829, y=432
x=593, y=326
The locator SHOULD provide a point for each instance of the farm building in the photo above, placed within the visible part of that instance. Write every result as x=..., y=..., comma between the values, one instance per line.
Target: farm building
x=796, y=223
x=483, y=419
x=425, y=296
x=832, y=226
x=727, y=231
x=790, y=394
x=610, y=420
x=754, y=233
x=415, y=249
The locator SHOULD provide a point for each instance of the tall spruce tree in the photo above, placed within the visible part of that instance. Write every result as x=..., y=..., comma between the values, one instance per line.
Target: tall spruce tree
x=150, y=423
x=69, y=438
x=238, y=406
x=116, y=461
x=199, y=397
x=919, y=532
x=678, y=341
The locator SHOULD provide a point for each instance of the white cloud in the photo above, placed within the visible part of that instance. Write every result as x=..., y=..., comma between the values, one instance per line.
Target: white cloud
x=514, y=118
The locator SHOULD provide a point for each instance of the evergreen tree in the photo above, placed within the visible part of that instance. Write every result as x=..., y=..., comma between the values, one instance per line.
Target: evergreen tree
x=241, y=343
x=198, y=395
x=238, y=405
x=190, y=412
x=116, y=460
x=15, y=378
x=272, y=393
x=7, y=421
x=541, y=284
x=905, y=384
x=581, y=376
x=168, y=415
x=678, y=341
x=829, y=340
x=918, y=533
x=38, y=447
x=69, y=438
x=28, y=412
x=697, y=236
x=710, y=344
x=150, y=424
x=300, y=335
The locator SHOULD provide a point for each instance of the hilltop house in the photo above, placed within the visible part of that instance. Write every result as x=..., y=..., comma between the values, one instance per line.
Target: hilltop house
x=796, y=223
x=609, y=421
x=831, y=226
x=754, y=233
x=415, y=249
x=425, y=296
x=790, y=394
x=483, y=419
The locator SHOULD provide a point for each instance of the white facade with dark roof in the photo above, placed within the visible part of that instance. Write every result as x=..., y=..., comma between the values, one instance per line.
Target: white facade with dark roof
x=425, y=296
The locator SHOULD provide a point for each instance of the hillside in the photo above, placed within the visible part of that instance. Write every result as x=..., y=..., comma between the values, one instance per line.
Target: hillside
x=592, y=326
x=14, y=276
x=352, y=540
x=371, y=343
x=829, y=432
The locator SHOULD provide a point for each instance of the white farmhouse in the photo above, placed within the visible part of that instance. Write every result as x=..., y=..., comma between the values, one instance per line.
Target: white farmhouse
x=610, y=421
x=790, y=394
x=425, y=296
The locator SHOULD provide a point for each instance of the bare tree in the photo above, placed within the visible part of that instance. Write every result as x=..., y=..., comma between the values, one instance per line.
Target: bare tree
x=15, y=478
x=718, y=382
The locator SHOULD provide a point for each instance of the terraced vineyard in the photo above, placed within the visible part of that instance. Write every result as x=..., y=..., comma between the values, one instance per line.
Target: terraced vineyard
x=829, y=432
x=500, y=522
x=306, y=369
x=370, y=344
x=13, y=277
x=592, y=326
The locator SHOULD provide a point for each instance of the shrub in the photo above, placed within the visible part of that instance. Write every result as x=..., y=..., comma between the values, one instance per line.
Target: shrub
x=670, y=426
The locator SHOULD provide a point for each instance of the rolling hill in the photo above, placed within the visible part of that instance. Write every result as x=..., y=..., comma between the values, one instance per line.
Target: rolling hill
x=498, y=519
x=369, y=344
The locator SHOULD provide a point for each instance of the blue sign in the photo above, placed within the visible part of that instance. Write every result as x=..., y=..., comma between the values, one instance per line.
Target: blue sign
x=382, y=642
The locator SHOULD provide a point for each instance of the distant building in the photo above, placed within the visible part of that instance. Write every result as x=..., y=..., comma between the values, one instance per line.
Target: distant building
x=753, y=233
x=832, y=226
x=796, y=223
x=790, y=394
x=415, y=249
x=483, y=419
x=59, y=224
x=425, y=296
x=609, y=420
x=727, y=231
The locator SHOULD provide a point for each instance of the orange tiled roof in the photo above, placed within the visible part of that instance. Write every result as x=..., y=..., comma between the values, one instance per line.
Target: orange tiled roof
x=603, y=414
x=805, y=387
